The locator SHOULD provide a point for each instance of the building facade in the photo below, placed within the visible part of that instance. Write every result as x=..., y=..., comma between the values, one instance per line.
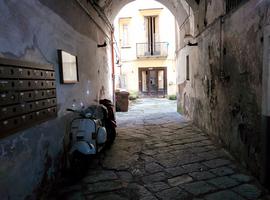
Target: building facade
x=145, y=33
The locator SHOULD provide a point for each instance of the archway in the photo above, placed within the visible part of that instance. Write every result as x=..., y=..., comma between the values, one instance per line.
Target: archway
x=180, y=9
x=146, y=61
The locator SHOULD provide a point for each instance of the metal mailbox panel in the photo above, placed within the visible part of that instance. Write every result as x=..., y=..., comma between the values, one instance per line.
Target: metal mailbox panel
x=39, y=74
x=51, y=102
x=40, y=104
x=38, y=116
x=15, y=72
x=43, y=84
x=44, y=103
x=52, y=112
x=7, y=85
x=40, y=94
x=20, y=109
x=8, y=124
x=11, y=111
x=36, y=84
x=24, y=73
x=50, y=84
x=25, y=84
x=8, y=72
x=44, y=113
x=30, y=107
x=7, y=98
x=51, y=93
x=27, y=94
x=50, y=75
x=2, y=72
x=40, y=84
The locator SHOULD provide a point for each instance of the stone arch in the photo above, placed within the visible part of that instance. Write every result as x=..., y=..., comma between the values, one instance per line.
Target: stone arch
x=181, y=9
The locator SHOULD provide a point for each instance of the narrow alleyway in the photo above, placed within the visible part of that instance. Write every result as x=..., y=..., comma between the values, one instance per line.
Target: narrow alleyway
x=160, y=155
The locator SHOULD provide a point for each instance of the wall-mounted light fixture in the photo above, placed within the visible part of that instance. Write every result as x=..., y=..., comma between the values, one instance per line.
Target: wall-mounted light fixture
x=190, y=41
x=192, y=44
x=102, y=45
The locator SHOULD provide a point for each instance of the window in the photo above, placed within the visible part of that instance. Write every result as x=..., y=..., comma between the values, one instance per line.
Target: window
x=232, y=4
x=125, y=39
x=187, y=69
x=124, y=24
x=152, y=32
x=151, y=46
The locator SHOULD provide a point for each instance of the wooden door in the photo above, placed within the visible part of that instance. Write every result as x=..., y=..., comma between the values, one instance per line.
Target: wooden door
x=153, y=82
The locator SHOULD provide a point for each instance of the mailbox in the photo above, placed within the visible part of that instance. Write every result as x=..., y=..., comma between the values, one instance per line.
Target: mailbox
x=27, y=95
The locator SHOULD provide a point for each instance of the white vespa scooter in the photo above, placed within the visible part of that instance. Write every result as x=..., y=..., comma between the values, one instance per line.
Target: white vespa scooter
x=90, y=132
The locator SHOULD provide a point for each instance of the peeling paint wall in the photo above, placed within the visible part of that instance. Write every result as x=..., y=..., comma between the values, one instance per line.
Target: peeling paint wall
x=224, y=94
x=33, y=31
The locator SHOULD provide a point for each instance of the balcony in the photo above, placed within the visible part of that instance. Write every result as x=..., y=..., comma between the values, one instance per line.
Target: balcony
x=158, y=49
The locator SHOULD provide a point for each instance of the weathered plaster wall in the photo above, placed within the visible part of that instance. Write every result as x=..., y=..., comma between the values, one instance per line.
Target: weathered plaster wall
x=33, y=31
x=224, y=95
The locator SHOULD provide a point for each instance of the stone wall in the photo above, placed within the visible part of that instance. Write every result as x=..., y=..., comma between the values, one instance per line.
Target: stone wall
x=224, y=94
x=33, y=31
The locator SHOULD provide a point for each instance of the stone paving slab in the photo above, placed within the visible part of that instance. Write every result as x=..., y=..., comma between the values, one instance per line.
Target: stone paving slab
x=223, y=182
x=179, y=180
x=172, y=194
x=226, y=195
x=249, y=191
x=159, y=155
x=199, y=188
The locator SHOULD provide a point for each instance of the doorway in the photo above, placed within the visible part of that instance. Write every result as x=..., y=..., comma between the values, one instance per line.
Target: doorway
x=153, y=82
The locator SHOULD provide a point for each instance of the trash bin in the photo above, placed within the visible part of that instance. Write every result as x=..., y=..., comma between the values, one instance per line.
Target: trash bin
x=121, y=101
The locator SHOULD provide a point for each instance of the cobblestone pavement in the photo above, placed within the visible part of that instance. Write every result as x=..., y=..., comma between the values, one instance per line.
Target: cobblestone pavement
x=158, y=155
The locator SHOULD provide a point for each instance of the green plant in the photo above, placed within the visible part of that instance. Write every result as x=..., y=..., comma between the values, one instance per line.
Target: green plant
x=172, y=97
x=133, y=95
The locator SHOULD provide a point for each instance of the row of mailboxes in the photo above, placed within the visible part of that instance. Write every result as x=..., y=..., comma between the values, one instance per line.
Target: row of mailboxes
x=7, y=85
x=10, y=97
x=20, y=109
x=27, y=94
x=26, y=120
x=25, y=73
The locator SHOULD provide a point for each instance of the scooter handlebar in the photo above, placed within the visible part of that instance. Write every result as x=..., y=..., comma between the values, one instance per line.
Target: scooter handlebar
x=71, y=110
x=81, y=113
x=75, y=111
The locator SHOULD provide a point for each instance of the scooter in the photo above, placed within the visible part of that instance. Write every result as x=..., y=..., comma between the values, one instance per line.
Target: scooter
x=90, y=132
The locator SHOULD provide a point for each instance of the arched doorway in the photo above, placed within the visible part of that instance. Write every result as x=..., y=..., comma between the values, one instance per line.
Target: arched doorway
x=145, y=42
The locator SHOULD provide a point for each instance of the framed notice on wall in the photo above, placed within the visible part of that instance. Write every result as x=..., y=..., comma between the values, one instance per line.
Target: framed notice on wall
x=68, y=67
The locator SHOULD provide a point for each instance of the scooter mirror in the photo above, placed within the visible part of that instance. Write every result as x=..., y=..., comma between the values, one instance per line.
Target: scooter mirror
x=88, y=115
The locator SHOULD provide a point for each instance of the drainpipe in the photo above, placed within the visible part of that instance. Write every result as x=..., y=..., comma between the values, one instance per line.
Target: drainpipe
x=113, y=71
x=221, y=49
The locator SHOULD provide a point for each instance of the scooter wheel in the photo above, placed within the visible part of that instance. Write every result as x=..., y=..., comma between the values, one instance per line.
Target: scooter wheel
x=111, y=134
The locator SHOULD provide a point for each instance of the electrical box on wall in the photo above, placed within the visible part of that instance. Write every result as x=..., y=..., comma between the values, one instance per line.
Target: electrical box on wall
x=27, y=95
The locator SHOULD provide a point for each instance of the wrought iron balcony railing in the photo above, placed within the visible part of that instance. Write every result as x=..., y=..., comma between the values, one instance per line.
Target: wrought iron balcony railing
x=157, y=49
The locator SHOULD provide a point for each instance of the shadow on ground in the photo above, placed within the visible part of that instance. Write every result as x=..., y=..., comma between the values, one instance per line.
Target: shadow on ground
x=158, y=154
